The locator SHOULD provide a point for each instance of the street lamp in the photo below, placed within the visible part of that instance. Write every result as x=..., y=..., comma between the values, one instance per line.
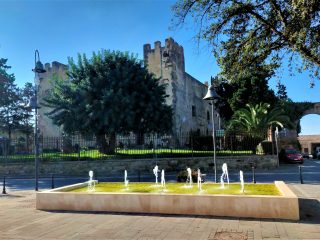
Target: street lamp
x=38, y=68
x=213, y=97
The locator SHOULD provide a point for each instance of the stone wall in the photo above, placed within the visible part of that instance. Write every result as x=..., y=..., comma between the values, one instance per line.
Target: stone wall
x=166, y=62
x=184, y=91
x=53, y=72
x=116, y=167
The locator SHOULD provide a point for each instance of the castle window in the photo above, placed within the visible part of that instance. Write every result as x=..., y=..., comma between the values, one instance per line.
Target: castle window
x=208, y=115
x=193, y=111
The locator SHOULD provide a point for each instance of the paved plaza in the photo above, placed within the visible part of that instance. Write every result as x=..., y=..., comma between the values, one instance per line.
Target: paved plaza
x=20, y=220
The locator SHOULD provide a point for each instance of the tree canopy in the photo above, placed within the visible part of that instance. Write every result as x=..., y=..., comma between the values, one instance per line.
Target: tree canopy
x=257, y=119
x=281, y=91
x=108, y=94
x=246, y=33
x=250, y=88
x=13, y=100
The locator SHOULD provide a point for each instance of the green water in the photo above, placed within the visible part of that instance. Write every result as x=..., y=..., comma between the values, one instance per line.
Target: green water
x=181, y=188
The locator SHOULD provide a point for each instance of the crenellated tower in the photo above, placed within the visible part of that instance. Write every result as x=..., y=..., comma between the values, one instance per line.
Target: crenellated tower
x=190, y=112
x=54, y=70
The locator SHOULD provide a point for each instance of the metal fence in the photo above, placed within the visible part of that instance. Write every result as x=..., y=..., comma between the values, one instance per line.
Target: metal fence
x=79, y=148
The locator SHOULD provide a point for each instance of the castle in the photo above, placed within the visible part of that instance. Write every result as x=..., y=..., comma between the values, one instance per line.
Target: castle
x=190, y=111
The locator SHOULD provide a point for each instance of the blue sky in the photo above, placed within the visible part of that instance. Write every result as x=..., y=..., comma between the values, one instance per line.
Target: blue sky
x=59, y=29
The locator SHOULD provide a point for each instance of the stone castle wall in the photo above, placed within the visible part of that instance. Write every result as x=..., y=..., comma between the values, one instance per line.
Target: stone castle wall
x=190, y=111
x=185, y=92
x=54, y=71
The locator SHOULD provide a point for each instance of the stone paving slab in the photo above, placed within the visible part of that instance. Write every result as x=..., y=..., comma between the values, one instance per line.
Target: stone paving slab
x=19, y=220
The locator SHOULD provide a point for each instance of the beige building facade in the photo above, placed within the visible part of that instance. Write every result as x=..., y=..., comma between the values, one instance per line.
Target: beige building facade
x=309, y=143
x=190, y=111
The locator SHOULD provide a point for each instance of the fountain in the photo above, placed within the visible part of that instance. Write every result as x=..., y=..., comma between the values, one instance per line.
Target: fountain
x=189, y=178
x=163, y=181
x=199, y=181
x=224, y=175
x=208, y=199
x=155, y=172
x=126, y=181
x=91, y=182
x=241, y=181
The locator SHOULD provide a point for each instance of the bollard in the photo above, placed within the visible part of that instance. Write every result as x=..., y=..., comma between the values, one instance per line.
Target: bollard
x=253, y=175
x=52, y=181
x=300, y=173
x=4, y=186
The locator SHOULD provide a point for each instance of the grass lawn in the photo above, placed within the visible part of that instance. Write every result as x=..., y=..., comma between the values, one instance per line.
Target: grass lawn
x=181, y=188
x=178, y=151
x=121, y=153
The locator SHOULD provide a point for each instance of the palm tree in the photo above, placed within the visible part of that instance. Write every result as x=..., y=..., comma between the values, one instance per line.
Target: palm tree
x=257, y=118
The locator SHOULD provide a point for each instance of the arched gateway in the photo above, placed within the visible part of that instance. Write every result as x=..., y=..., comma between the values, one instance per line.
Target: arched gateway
x=310, y=142
x=314, y=109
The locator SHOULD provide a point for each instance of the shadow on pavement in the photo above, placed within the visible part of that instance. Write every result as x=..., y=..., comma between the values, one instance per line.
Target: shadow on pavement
x=309, y=210
x=10, y=196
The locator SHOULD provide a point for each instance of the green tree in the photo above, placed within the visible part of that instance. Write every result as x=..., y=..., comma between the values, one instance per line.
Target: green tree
x=111, y=93
x=250, y=88
x=282, y=91
x=10, y=117
x=26, y=123
x=257, y=119
x=14, y=115
x=246, y=33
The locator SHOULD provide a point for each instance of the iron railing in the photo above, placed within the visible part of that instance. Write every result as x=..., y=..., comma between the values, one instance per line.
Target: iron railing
x=79, y=148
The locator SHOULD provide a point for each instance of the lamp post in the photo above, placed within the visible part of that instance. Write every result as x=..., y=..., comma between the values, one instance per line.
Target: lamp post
x=38, y=68
x=276, y=133
x=213, y=96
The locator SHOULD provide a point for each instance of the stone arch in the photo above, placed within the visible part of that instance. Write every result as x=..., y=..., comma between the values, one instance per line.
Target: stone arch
x=289, y=138
x=314, y=109
x=308, y=143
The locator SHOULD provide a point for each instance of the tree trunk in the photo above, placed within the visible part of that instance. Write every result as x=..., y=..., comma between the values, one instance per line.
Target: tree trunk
x=106, y=143
x=10, y=149
x=66, y=144
x=9, y=133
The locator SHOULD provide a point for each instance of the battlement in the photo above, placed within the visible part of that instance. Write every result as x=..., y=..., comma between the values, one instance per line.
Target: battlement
x=169, y=44
x=55, y=67
x=165, y=55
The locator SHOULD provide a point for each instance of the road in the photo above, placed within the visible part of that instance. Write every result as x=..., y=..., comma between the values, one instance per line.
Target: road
x=286, y=172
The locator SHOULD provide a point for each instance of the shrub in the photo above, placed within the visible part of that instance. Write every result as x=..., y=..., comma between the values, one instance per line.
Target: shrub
x=202, y=143
x=264, y=147
x=183, y=175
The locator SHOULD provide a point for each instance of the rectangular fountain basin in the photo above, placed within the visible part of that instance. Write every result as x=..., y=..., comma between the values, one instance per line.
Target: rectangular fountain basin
x=284, y=206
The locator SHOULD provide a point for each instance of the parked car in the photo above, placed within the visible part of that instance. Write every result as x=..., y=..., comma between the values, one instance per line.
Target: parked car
x=317, y=153
x=290, y=156
x=307, y=155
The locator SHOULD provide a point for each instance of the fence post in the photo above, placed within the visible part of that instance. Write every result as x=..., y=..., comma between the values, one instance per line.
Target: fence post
x=191, y=145
x=4, y=186
x=253, y=173
x=52, y=181
x=300, y=173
